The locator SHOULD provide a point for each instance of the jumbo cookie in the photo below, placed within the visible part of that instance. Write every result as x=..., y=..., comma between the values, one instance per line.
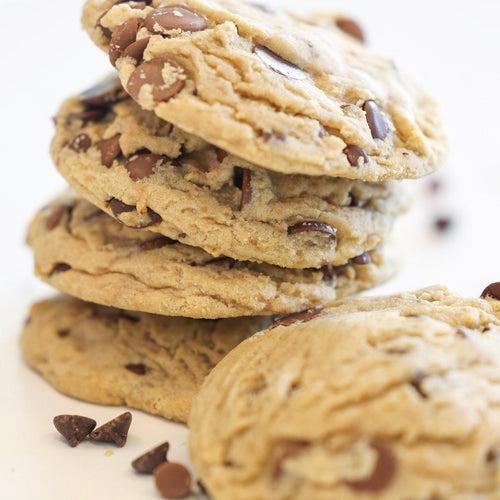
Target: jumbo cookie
x=388, y=397
x=115, y=357
x=84, y=252
x=264, y=86
x=146, y=172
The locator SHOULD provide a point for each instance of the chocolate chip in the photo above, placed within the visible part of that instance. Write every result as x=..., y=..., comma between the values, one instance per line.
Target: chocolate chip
x=142, y=165
x=376, y=122
x=355, y=201
x=277, y=136
x=278, y=64
x=172, y=480
x=155, y=243
x=114, y=431
x=329, y=272
x=303, y=316
x=55, y=216
x=491, y=456
x=110, y=149
x=355, y=155
x=443, y=224
x=81, y=143
x=362, y=259
x=492, y=291
x=221, y=154
x=416, y=383
x=246, y=187
x=313, y=226
x=136, y=49
x=89, y=115
x=151, y=73
x=137, y=368
x=174, y=17
x=147, y=462
x=74, y=428
x=293, y=449
x=384, y=471
x=60, y=267
x=123, y=36
x=118, y=208
x=103, y=93
x=63, y=333
x=105, y=31
x=351, y=28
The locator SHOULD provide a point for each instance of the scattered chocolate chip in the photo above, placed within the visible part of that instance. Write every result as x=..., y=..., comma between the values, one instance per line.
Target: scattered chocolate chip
x=313, y=226
x=172, y=480
x=278, y=64
x=60, y=267
x=329, y=272
x=276, y=136
x=492, y=291
x=137, y=368
x=142, y=165
x=443, y=224
x=303, y=316
x=63, y=333
x=136, y=50
x=416, y=383
x=355, y=154
x=110, y=149
x=174, y=17
x=293, y=449
x=74, y=428
x=151, y=73
x=181, y=236
x=362, y=259
x=147, y=462
x=55, y=216
x=123, y=36
x=114, y=431
x=351, y=28
x=89, y=115
x=376, y=121
x=118, y=208
x=103, y=93
x=81, y=143
x=385, y=469
x=221, y=262
x=155, y=243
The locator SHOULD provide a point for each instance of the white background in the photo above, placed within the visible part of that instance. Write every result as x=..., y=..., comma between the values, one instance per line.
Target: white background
x=451, y=46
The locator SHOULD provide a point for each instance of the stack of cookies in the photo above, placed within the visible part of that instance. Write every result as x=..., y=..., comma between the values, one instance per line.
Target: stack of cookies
x=244, y=164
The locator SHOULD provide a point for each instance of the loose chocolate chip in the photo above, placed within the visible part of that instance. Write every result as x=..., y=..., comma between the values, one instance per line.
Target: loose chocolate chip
x=384, y=470
x=278, y=64
x=303, y=316
x=118, y=208
x=55, y=216
x=246, y=187
x=151, y=73
x=63, y=333
x=136, y=49
x=110, y=149
x=174, y=17
x=329, y=272
x=89, y=115
x=313, y=226
x=137, y=368
x=172, y=480
x=103, y=93
x=122, y=38
x=114, y=431
x=221, y=262
x=443, y=224
x=362, y=259
x=416, y=383
x=142, y=165
x=351, y=28
x=376, y=122
x=147, y=462
x=492, y=291
x=74, y=428
x=81, y=143
x=155, y=243
x=355, y=154
x=293, y=449
x=60, y=267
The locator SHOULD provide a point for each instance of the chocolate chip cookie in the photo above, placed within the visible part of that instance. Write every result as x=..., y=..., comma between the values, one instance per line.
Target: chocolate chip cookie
x=115, y=357
x=148, y=173
x=263, y=85
x=387, y=397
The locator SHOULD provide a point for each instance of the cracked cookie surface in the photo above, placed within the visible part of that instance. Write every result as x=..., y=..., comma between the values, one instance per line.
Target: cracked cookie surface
x=379, y=397
x=259, y=83
x=115, y=357
x=82, y=251
x=146, y=172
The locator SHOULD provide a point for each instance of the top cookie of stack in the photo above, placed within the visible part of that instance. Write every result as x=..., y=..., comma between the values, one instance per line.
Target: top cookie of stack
x=289, y=96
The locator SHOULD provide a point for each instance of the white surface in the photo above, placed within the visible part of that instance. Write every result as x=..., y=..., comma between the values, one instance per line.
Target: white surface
x=452, y=46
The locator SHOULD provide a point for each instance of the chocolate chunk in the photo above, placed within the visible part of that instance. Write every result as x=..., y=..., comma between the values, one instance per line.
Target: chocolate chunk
x=351, y=28
x=362, y=259
x=118, y=208
x=443, y=224
x=110, y=149
x=114, y=431
x=137, y=368
x=81, y=143
x=74, y=428
x=221, y=154
x=147, y=462
x=151, y=73
x=60, y=267
x=136, y=49
x=246, y=187
x=313, y=226
x=376, y=121
x=416, y=383
x=122, y=38
x=303, y=316
x=105, y=31
x=155, y=243
x=172, y=480
x=355, y=154
x=293, y=449
x=103, y=93
x=142, y=165
x=89, y=115
x=492, y=291
x=278, y=64
x=174, y=17
x=55, y=216
x=384, y=471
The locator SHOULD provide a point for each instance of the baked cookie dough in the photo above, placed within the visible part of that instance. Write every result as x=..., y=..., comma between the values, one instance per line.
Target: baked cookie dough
x=82, y=251
x=146, y=172
x=390, y=398
x=266, y=87
x=115, y=357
